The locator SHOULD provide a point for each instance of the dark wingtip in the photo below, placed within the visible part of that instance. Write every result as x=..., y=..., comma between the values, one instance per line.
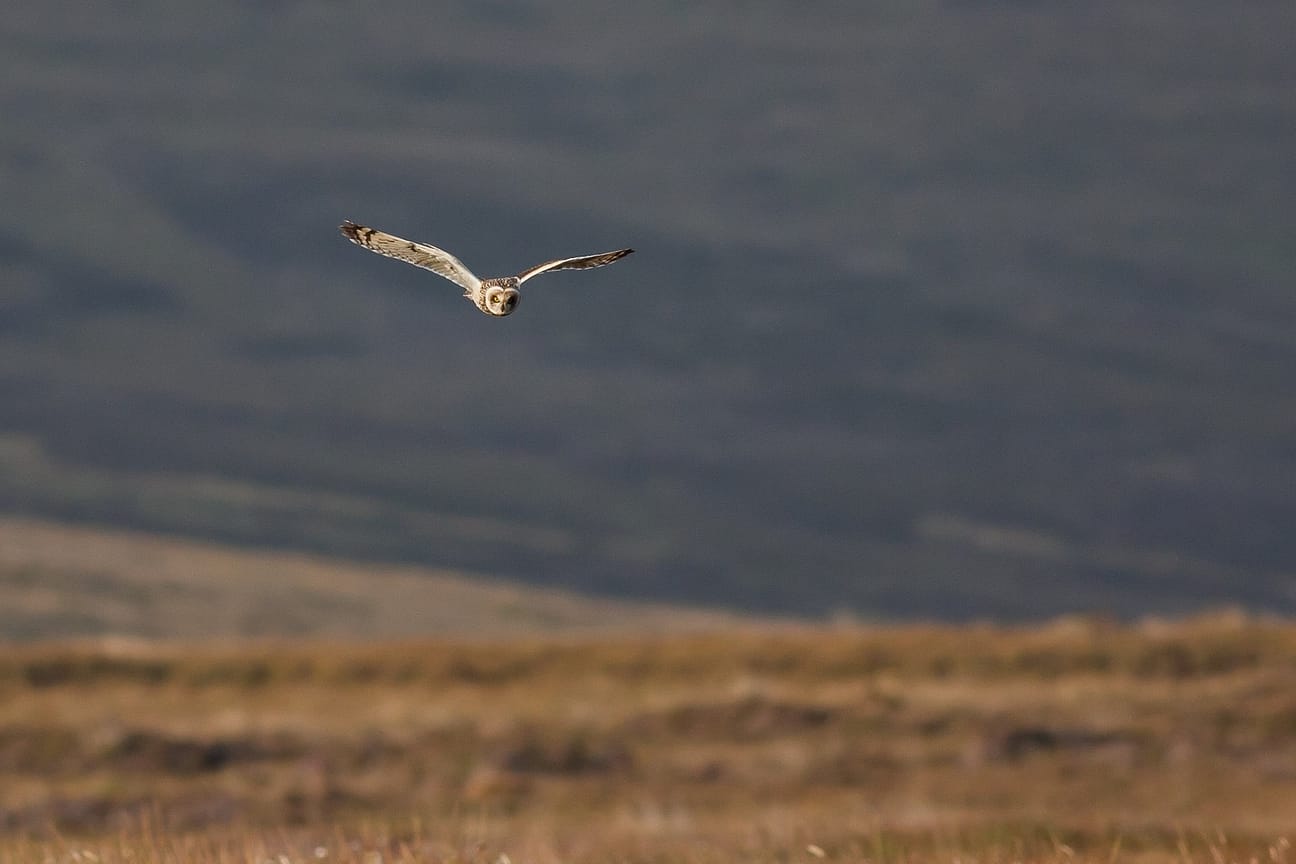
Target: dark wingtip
x=349, y=229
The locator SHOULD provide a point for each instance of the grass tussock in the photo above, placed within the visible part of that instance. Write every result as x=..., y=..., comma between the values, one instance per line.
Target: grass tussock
x=1078, y=740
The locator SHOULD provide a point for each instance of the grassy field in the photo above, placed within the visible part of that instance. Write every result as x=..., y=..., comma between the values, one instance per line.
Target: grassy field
x=1076, y=740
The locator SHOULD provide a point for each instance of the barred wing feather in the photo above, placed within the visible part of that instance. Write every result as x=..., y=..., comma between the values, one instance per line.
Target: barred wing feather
x=422, y=255
x=583, y=262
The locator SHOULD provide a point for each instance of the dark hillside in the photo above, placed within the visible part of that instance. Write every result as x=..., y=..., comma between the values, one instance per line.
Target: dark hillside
x=940, y=308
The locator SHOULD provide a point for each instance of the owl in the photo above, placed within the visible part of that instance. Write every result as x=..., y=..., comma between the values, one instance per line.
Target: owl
x=498, y=297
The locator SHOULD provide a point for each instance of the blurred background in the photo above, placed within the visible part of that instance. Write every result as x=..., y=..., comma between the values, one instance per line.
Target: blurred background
x=946, y=309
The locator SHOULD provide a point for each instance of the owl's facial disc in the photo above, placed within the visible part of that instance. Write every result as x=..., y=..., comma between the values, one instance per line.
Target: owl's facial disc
x=502, y=301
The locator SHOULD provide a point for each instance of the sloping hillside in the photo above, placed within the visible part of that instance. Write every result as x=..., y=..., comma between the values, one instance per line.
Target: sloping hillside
x=64, y=580
x=941, y=308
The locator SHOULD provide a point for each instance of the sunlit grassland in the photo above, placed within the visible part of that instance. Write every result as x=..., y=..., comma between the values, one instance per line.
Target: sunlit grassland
x=1076, y=740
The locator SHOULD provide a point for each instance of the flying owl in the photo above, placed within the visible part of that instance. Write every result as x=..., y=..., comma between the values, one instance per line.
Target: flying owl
x=498, y=297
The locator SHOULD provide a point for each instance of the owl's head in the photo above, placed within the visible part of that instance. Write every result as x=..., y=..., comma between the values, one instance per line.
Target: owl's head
x=502, y=301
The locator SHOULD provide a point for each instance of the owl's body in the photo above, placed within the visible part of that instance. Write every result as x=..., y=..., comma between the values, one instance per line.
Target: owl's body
x=498, y=297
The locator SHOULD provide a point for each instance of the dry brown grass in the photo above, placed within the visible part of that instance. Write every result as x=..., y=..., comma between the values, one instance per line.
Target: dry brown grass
x=1080, y=740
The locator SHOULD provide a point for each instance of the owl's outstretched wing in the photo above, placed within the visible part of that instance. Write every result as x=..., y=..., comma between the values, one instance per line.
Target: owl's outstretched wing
x=583, y=262
x=431, y=258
